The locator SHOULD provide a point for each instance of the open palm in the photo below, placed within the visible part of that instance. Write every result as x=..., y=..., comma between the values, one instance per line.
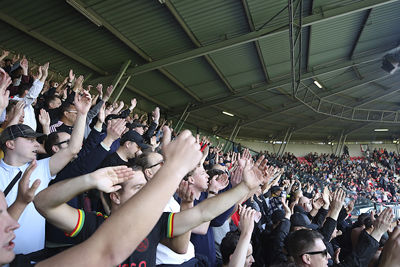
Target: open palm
x=109, y=179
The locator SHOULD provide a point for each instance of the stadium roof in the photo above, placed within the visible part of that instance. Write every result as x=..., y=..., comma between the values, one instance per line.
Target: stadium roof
x=207, y=57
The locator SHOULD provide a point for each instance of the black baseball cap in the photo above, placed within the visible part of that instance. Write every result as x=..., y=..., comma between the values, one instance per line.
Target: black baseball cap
x=301, y=219
x=18, y=130
x=134, y=136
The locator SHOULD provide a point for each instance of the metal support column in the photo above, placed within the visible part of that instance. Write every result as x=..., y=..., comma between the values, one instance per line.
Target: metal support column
x=341, y=148
x=182, y=116
x=339, y=143
x=236, y=134
x=122, y=88
x=183, y=122
x=286, y=142
x=121, y=73
x=283, y=141
x=231, y=136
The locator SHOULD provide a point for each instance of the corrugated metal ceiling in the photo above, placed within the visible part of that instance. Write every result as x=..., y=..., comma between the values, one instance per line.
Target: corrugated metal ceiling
x=150, y=26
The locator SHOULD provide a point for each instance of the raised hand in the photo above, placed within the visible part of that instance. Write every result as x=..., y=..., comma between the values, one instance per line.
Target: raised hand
x=78, y=84
x=109, y=91
x=71, y=76
x=16, y=116
x=247, y=214
x=185, y=192
x=382, y=223
x=115, y=128
x=183, y=154
x=108, y=179
x=44, y=118
x=26, y=194
x=218, y=182
x=237, y=176
x=285, y=206
x=253, y=176
x=45, y=70
x=156, y=114
x=82, y=102
x=99, y=88
x=24, y=66
x=326, y=197
x=337, y=202
x=317, y=203
x=242, y=159
x=133, y=104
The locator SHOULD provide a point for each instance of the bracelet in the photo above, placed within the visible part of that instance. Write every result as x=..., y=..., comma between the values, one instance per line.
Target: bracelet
x=212, y=192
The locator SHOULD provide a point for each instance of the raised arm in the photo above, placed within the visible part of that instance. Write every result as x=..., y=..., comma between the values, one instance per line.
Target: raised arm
x=210, y=208
x=116, y=239
x=37, y=85
x=59, y=160
x=180, y=243
x=25, y=193
x=51, y=202
x=238, y=258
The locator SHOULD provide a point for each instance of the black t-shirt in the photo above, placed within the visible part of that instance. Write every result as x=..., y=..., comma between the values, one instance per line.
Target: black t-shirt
x=113, y=160
x=145, y=253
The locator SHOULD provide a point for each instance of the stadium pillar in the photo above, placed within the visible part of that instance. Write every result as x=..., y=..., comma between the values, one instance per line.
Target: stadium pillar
x=339, y=144
x=283, y=141
x=121, y=73
x=341, y=147
x=122, y=88
x=286, y=141
x=232, y=136
x=182, y=119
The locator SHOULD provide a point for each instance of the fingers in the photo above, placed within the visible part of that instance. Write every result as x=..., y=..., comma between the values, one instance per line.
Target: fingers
x=115, y=188
x=34, y=187
x=259, y=160
x=30, y=169
x=166, y=135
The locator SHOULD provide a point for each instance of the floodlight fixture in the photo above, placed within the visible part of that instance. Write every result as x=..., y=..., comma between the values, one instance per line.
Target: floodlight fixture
x=381, y=130
x=317, y=84
x=227, y=113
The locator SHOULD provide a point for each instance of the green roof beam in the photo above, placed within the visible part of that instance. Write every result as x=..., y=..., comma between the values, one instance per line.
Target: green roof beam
x=256, y=35
x=25, y=29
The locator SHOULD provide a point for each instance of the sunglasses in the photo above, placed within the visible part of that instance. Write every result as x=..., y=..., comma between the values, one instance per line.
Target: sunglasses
x=161, y=162
x=63, y=142
x=323, y=252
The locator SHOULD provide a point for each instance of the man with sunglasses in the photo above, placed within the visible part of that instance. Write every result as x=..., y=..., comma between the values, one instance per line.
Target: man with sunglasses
x=308, y=248
x=93, y=152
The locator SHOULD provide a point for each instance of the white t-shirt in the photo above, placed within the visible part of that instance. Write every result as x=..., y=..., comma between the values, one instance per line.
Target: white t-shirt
x=164, y=254
x=30, y=236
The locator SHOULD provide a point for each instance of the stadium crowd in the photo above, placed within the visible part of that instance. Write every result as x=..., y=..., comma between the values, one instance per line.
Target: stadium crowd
x=86, y=181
